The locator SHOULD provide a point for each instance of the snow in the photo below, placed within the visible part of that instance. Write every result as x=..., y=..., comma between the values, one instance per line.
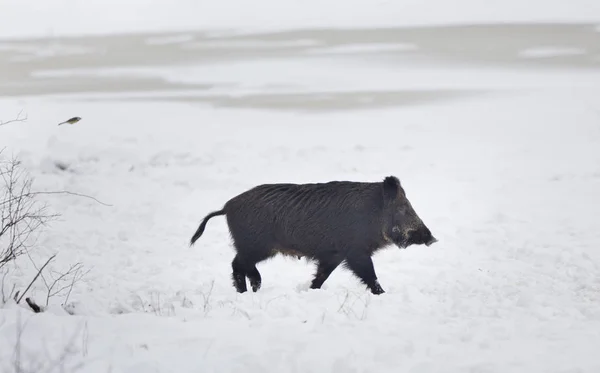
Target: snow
x=34, y=18
x=545, y=52
x=499, y=157
x=249, y=44
x=358, y=48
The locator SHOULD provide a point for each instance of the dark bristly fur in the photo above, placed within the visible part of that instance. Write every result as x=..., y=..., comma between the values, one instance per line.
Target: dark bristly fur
x=331, y=223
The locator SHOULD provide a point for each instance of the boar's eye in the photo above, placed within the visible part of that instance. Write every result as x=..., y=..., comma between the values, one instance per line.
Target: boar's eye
x=395, y=229
x=402, y=210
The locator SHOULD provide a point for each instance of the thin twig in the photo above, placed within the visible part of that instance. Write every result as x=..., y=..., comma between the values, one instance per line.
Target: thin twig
x=7, y=201
x=36, y=276
x=74, y=194
x=5, y=298
x=74, y=270
x=206, y=307
x=17, y=119
x=75, y=278
x=17, y=361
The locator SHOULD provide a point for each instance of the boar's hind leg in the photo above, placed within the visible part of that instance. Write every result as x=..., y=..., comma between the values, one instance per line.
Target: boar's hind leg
x=239, y=274
x=324, y=269
x=242, y=268
x=254, y=277
x=362, y=266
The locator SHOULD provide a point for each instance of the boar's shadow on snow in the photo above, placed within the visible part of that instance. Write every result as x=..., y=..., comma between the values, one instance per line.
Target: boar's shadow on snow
x=331, y=223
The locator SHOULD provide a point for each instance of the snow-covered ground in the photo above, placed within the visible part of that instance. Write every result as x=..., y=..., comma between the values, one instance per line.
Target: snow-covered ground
x=74, y=17
x=496, y=139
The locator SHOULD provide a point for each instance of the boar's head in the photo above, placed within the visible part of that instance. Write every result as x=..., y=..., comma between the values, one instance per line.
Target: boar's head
x=402, y=225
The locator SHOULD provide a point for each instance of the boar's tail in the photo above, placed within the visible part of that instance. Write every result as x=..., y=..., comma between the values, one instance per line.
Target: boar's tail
x=200, y=229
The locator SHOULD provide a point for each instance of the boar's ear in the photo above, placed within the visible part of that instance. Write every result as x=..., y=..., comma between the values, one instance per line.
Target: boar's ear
x=391, y=187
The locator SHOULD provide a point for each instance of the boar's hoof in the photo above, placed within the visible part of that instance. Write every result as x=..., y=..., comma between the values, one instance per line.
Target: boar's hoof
x=377, y=289
x=239, y=281
x=255, y=286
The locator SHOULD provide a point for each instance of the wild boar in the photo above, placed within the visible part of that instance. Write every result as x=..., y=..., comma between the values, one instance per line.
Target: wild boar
x=329, y=223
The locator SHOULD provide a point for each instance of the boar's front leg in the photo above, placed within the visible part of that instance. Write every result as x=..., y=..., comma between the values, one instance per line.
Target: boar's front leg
x=361, y=265
x=324, y=269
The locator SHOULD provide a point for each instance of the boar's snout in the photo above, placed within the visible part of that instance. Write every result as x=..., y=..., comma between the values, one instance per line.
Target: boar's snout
x=431, y=241
x=420, y=236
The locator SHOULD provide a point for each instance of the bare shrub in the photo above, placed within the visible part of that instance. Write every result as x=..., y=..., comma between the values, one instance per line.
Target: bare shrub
x=21, y=214
x=22, y=218
x=347, y=305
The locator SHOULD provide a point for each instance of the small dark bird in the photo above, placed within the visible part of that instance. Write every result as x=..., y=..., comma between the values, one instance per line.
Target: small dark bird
x=71, y=121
